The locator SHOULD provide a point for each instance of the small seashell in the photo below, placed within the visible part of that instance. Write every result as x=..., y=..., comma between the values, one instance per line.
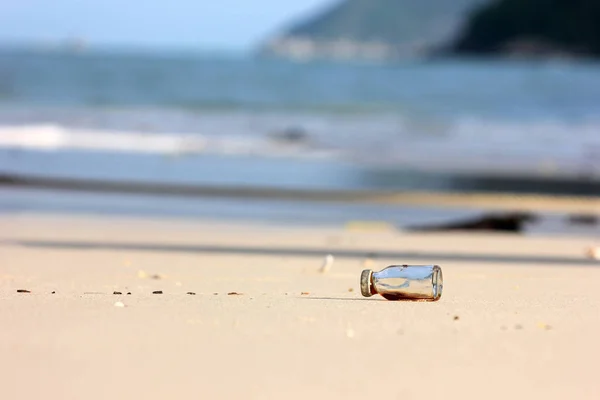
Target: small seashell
x=327, y=264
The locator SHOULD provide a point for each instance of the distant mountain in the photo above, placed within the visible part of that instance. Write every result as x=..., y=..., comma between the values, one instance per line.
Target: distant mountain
x=372, y=29
x=533, y=27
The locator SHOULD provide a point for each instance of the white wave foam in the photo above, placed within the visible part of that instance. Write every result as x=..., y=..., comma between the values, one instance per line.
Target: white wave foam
x=466, y=146
x=54, y=138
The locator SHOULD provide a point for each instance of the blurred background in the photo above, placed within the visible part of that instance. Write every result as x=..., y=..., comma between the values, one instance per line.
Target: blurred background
x=118, y=104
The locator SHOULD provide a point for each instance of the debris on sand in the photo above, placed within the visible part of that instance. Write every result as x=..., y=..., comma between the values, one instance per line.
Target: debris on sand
x=512, y=222
x=544, y=326
x=142, y=274
x=157, y=292
x=327, y=264
x=23, y=291
x=456, y=317
x=117, y=293
x=350, y=290
x=119, y=304
x=593, y=253
x=191, y=293
x=234, y=294
x=304, y=293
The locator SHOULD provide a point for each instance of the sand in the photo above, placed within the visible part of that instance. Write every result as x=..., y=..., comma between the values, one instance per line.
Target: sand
x=519, y=316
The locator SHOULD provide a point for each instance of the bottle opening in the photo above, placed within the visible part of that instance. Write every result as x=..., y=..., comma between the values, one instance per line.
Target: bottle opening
x=437, y=282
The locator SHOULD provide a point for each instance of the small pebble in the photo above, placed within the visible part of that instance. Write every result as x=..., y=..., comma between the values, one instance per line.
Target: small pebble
x=117, y=293
x=351, y=290
x=157, y=292
x=119, y=304
x=128, y=293
x=191, y=293
x=456, y=317
x=53, y=292
x=23, y=291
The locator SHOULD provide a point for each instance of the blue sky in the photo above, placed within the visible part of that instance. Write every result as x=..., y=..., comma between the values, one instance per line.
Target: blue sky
x=202, y=24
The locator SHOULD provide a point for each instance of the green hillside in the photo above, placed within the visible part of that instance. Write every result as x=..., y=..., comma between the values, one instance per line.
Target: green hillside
x=389, y=21
x=372, y=29
x=536, y=26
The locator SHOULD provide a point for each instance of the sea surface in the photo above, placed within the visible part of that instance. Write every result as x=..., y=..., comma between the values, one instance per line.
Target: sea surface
x=235, y=119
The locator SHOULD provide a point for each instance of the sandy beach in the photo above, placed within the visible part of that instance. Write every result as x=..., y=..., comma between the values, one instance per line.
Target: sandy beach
x=519, y=316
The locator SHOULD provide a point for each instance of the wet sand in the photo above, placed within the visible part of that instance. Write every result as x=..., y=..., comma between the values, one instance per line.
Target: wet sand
x=487, y=200
x=519, y=316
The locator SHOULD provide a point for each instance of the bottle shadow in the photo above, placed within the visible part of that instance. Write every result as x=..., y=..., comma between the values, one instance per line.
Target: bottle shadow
x=370, y=299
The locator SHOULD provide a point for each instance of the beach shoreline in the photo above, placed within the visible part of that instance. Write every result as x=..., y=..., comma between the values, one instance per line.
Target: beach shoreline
x=492, y=201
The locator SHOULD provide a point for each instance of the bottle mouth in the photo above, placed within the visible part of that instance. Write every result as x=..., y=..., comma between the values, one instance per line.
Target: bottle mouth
x=437, y=282
x=366, y=286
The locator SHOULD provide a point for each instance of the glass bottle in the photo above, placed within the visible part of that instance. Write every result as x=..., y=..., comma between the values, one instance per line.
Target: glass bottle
x=404, y=282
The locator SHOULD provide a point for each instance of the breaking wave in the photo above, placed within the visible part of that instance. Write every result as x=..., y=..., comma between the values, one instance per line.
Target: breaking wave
x=467, y=145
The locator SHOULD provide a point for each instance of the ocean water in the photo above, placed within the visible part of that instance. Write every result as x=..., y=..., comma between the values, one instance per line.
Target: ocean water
x=241, y=120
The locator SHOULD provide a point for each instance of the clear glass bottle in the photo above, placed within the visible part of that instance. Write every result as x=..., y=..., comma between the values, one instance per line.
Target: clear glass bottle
x=404, y=282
